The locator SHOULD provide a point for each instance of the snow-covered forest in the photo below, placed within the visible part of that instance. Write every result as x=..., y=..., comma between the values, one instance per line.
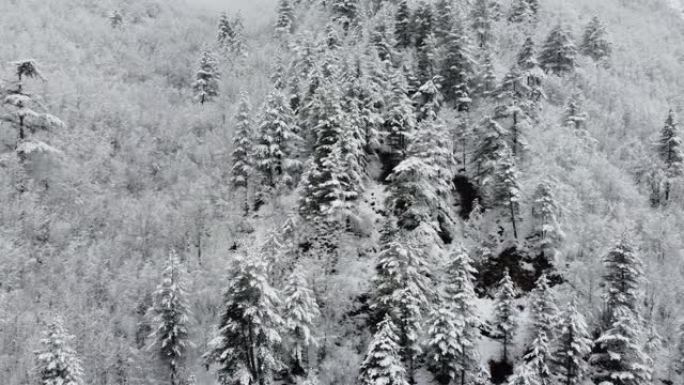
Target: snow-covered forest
x=341, y=192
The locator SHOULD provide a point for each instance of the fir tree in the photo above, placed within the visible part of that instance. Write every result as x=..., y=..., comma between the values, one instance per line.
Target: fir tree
x=402, y=25
x=399, y=119
x=428, y=100
x=57, y=362
x=669, y=149
x=206, y=84
x=514, y=105
x=300, y=313
x=443, y=345
x=573, y=345
x=574, y=116
x=172, y=317
x=426, y=60
x=443, y=19
x=507, y=189
x=226, y=34
x=521, y=12
x=382, y=365
x=620, y=360
x=482, y=23
x=243, y=139
x=492, y=144
x=245, y=350
x=275, y=158
x=457, y=69
x=505, y=314
x=538, y=359
x=543, y=306
x=531, y=70
x=558, y=56
x=345, y=12
x=622, y=277
x=422, y=24
x=522, y=376
x=547, y=234
x=483, y=377
x=285, y=21
x=486, y=77
x=594, y=42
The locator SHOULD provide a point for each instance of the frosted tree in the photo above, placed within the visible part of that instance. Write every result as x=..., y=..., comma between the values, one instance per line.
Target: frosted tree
x=539, y=358
x=679, y=350
x=422, y=23
x=531, y=70
x=426, y=59
x=206, y=85
x=226, y=33
x=428, y=100
x=172, y=314
x=545, y=313
x=522, y=12
x=245, y=350
x=505, y=314
x=443, y=348
x=522, y=376
x=669, y=149
x=116, y=19
x=558, y=55
x=443, y=19
x=243, y=143
x=574, y=116
x=402, y=25
x=399, y=118
x=402, y=290
x=623, y=275
x=274, y=152
x=285, y=19
x=345, y=12
x=573, y=345
x=487, y=156
x=57, y=363
x=547, y=234
x=481, y=17
x=513, y=106
x=483, y=377
x=619, y=359
x=457, y=69
x=486, y=77
x=300, y=313
x=507, y=188
x=382, y=364
x=594, y=41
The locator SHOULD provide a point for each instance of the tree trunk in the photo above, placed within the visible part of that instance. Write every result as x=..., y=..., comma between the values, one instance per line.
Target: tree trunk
x=515, y=229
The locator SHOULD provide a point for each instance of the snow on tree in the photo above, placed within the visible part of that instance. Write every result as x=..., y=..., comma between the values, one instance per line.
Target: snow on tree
x=382, y=364
x=507, y=188
x=345, y=12
x=399, y=118
x=573, y=345
x=491, y=145
x=422, y=23
x=172, y=316
x=230, y=34
x=274, y=152
x=206, y=85
x=523, y=376
x=514, y=106
x=57, y=363
x=443, y=348
x=574, y=115
x=538, y=359
x=300, y=313
x=486, y=78
x=543, y=306
x=402, y=25
x=426, y=59
x=116, y=19
x=428, y=100
x=547, y=234
x=481, y=16
x=285, y=20
x=457, y=68
x=531, y=70
x=443, y=19
x=558, y=55
x=619, y=359
x=623, y=275
x=505, y=314
x=669, y=148
x=594, y=41
x=522, y=12
x=243, y=142
x=245, y=350
x=226, y=34
x=483, y=377
x=402, y=288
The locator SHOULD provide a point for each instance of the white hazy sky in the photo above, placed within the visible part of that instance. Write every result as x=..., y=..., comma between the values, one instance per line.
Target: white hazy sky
x=259, y=9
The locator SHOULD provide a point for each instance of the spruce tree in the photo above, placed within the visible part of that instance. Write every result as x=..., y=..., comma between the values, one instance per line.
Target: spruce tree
x=422, y=24
x=558, y=55
x=57, y=362
x=426, y=59
x=443, y=19
x=514, y=106
x=274, y=153
x=243, y=140
x=457, y=69
x=543, y=306
x=206, y=86
x=399, y=118
x=669, y=149
x=382, y=365
x=402, y=25
x=486, y=77
x=172, y=314
x=594, y=42
x=492, y=144
x=249, y=330
x=622, y=277
x=482, y=23
x=443, y=349
x=285, y=20
x=522, y=376
x=507, y=188
x=226, y=34
x=505, y=314
x=521, y=12
x=428, y=100
x=483, y=377
x=531, y=70
x=575, y=117
x=573, y=345
x=299, y=313
x=345, y=12
x=547, y=234
x=538, y=359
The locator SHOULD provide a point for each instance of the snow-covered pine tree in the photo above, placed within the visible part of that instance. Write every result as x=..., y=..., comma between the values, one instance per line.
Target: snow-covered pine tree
x=531, y=70
x=619, y=359
x=428, y=100
x=483, y=377
x=226, y=34
x=492, y=141
x=243, y=143
x=206, y=85
x=346, y=12
x=300, y=313
x=172, y=316
x=285, y=22
x=459, y=294
x=426, y=60
x=622, y=278
x=382, y=364
x=422, y=23
x=57, y=363
x=514, y=106
x=523, y=375
x=521, y=12
x=573, y=345
x=457, y=68
x=574, y=116
x=443, y=349
x=545, y=313
x=274, y=152
x=669, y=149
x=505, y=314
x=402, y=25
x=547, y=234
x=402, y=289
x=558, y=55
x=594, y=41
x=507, y=188
x=249, y=329
x=481, y=16
x=539, y=358
x=399, y=118
x=443, y=19
x=486, y=78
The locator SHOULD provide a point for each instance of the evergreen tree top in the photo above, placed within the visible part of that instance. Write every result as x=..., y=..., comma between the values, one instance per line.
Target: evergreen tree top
x=382, y=365
x=623, y=275
x=57, y=362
